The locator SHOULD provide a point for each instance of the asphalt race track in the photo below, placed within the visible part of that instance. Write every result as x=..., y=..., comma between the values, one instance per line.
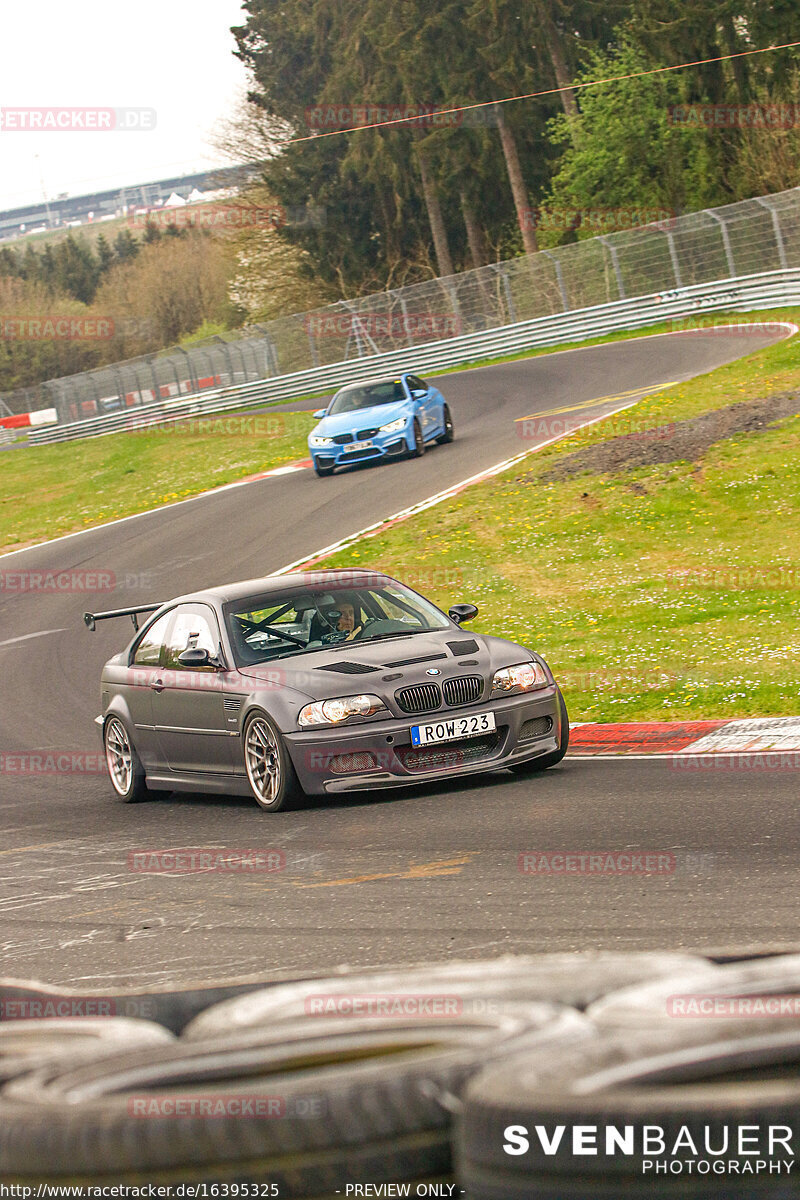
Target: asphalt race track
x=404, y=875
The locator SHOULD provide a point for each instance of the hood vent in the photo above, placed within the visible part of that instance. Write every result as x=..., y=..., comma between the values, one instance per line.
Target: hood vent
x=409, y=662
x=466, y=647
x=349, y=668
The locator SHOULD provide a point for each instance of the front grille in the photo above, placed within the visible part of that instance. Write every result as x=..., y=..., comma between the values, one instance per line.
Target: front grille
x=348, y=668
x=348, y=764
x=466, y=647
x=342, y=439
x=538, y=727
x=466, y=689
x=425, y=697
x=449, y=756
x=363, y=434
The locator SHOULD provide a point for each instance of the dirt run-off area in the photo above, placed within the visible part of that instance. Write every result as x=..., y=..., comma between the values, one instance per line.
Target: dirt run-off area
x=681, y=441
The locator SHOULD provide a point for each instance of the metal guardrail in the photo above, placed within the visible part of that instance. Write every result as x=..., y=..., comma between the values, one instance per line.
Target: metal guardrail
x=769, y=289
x=700, y=248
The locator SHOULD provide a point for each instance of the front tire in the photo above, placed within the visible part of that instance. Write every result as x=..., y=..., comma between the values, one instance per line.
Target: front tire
x=270, y=773
x=418, y=448
x=125, y=768
x=544, y=761
x=449, y=431
x=323, y=472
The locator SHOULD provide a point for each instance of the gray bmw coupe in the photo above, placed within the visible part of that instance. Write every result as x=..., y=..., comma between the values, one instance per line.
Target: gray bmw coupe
x=323, y=682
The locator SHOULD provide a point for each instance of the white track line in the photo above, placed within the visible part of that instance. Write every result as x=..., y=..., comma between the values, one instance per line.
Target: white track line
x=26, y=637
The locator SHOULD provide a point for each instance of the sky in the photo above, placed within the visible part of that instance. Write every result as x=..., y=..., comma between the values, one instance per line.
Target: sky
x=171, y=56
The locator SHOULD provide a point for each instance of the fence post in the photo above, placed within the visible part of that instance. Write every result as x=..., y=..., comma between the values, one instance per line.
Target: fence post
x=507, y=289
x=776, y=228
x=560, y=277
x=404, y=311
x=726, y=241
x=228, y=359
x=673, y=254
x=612, y=249
x=189, y=367
x=271, y=356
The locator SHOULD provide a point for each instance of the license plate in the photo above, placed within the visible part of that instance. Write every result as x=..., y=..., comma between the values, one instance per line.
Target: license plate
x=449, y=730
x=357, y=446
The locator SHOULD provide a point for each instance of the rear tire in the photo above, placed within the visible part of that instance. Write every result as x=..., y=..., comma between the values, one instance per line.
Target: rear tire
x=125, y=769
x=270, y=773
x=419, y=442
x=544, y=761
x=449, y=432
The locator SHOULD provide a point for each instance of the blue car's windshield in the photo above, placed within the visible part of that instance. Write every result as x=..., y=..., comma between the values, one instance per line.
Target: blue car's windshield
x=367, y=395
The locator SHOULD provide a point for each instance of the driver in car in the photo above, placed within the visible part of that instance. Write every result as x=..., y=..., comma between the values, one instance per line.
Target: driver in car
x=345, y=629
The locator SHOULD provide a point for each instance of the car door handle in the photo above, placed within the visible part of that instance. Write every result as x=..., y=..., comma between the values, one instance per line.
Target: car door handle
x=157, y=685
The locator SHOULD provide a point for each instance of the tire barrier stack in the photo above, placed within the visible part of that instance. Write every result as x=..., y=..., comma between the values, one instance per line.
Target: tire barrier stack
x=560, y=1077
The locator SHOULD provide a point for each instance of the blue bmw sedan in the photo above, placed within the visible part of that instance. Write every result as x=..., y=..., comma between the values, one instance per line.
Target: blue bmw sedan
x=393, y=417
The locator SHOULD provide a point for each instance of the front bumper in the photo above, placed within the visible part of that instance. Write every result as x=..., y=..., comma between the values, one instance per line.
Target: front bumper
x=379, y=754
x=389, y=445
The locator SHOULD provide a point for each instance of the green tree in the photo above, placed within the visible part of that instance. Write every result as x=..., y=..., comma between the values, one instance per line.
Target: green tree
x=630, y=154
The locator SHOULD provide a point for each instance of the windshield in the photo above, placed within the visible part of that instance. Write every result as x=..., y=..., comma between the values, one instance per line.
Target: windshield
x=263, y=628
x=367, y=395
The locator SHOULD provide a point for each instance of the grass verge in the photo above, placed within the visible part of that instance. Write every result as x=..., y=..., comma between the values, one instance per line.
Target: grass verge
x=661, y=592
x=46, y=491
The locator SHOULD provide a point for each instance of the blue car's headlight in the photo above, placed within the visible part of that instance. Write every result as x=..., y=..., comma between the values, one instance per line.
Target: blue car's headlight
x=320, y=441
x=393, y=426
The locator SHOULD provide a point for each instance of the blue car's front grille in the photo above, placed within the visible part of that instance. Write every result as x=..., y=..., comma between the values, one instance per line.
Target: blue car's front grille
x=342, y=439
x=366, y=433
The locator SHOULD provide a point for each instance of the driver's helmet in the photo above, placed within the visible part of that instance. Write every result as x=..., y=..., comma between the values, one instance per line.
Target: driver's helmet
x=332, y=613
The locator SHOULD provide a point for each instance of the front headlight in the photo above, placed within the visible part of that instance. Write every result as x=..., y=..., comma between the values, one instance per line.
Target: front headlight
x=393, y=426
x=320, y=441
x=333, y=712
x=525, y=677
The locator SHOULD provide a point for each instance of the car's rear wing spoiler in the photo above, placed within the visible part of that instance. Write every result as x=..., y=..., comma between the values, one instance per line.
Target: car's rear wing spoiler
x=89, y=619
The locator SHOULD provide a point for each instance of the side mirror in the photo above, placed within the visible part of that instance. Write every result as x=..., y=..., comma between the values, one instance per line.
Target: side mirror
x=197, y=657
x=319, y=414
x=418, y=393
x=462, y=612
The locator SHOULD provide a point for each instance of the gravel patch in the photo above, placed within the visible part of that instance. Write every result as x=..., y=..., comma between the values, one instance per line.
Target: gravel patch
x=681, y=441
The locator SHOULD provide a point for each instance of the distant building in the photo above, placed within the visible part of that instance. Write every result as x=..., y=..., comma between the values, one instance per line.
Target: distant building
x=68, y=211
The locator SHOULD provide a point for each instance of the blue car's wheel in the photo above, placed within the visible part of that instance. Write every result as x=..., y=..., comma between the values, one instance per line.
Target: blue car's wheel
x=323, y=471
x=418, y=448
x=449, y=432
